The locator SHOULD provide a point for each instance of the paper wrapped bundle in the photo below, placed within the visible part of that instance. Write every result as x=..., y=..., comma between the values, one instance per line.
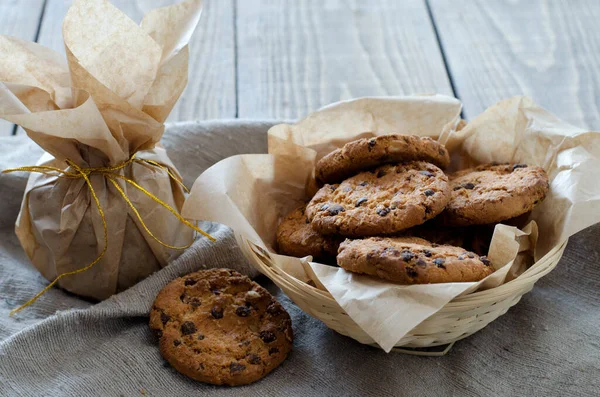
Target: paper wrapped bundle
x=105, y=105
x=252, y=193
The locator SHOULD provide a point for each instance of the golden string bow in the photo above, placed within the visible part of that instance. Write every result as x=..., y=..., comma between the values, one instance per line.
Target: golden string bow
x=109, y=173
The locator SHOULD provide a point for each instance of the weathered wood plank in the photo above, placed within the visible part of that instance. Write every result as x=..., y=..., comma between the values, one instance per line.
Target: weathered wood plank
x=20, y=19
x=294, y=57
x=548, y=50
x=210, y=92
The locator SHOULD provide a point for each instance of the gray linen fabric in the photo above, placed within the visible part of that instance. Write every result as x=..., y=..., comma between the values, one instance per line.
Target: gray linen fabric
x=65, y=346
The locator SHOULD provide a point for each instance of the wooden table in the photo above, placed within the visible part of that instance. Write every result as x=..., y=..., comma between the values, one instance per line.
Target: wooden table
x=283, y=59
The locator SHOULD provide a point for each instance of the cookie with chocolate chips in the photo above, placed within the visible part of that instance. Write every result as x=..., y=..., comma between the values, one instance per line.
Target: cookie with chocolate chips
x=412, y=260
x=385, y=200
x=366, y=153
x=493, y=193
x=296, y=237
x=218, y=326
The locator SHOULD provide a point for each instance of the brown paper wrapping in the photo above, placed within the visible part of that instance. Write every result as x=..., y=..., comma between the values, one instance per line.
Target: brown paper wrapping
x=107, y=102
x=252, y=193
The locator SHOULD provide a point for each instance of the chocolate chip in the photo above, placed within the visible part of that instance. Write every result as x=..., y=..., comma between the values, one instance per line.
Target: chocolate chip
x=427, y=253
x=158, y=333
x=426, y=173
x=267, y=336
x=164, y=318
x=485, y=260
x=407, y=256
x=216, y=312
x=273, y=350
x=427, y=209
x=200, y=337
x=519, y=166
x=372, y=143
x=391, y=251
x=190, y=281
x=253, y=359
x=333, y=187
x=216, y=292
x=363, y=183
x=439, y=262
x=273, y=309
x=411, y=272
x=470, y=255
x=335, y=209
x=467, y=185
x=324, y=207
x=188, y=328
x=380, y=173
x=176, y=342
x=236, y=367
x=360, y=201
x=429, y=192
x=182, y=297
x=306, y=220
x=242, y=311
x=421, y=262
x=194, y=302
x=383, y=211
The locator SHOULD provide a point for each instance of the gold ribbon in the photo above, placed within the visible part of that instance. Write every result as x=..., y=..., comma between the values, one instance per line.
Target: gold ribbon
x=108, y=173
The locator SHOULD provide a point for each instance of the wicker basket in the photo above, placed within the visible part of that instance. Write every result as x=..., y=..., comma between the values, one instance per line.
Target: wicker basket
x=458, y=319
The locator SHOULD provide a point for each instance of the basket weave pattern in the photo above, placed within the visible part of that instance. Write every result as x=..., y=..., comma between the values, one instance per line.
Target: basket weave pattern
x=458, y=319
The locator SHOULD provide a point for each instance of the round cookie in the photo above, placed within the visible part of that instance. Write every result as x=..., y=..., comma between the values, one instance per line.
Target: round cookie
x=412, y=260
x=217, y=326
x=296, y=237
x=366, y=153
x=386, y=200
x=493, y=193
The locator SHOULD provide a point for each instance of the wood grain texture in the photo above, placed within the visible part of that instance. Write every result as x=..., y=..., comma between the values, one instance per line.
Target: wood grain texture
x=210, y=92
x=20, y=19
x=294, y=57
x=548, y=50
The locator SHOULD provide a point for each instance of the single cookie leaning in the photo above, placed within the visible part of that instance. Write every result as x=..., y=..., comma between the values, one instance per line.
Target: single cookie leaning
x=366, y=153
x=412, y=260
x=386, y=200
x=296, y=237
x=493, y=193
x=217, y=326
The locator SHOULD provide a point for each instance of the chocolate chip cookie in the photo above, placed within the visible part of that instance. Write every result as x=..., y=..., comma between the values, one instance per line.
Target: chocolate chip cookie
x=366, y=153
x=385, y=200
x=217, y=326
x=296, y=237
x=493, y=193
x=412, y=260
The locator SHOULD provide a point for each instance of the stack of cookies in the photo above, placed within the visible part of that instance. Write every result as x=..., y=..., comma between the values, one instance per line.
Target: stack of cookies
x=387, y=209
